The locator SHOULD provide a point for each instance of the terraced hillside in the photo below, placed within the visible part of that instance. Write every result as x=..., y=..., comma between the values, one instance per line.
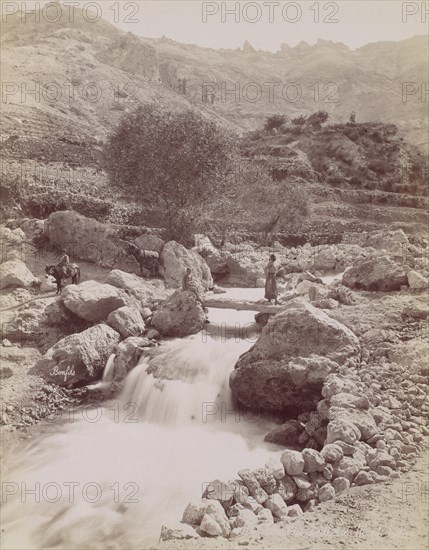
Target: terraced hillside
x=66, y=86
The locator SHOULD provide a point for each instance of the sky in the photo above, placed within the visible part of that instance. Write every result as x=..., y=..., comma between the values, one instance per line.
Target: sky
x=265, y=24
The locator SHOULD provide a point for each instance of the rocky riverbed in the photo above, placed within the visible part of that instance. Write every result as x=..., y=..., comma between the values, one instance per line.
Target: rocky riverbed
x=369, y=427
x=385, y=516
x=341, y=365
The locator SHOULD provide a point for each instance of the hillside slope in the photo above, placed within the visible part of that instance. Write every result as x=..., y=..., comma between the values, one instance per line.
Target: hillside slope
x=66, y=86
x=87, y=74
x=303, y=79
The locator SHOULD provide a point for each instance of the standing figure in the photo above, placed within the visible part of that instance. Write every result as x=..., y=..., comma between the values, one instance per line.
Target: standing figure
x=188, y=283
x=64, y=262
x=270, y=281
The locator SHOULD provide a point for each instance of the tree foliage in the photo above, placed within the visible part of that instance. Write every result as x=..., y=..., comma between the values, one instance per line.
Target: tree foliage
x=274, y=206
x=274, y=122
x=256, y=203
x=300, y=120
x=317, y=119
x=172, y=162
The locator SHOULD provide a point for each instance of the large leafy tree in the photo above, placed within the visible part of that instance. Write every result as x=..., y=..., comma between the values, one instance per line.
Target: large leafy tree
x=175, y=163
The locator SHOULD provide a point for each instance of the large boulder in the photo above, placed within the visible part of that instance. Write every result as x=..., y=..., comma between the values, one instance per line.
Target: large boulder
x=48, y=284
x=15, y=273
x=94, y=301
x=375, y=273
x=78, y=359
x=416, y=280
x=342, y=430
x=314, y=291
x=127, y=321
x=325, y=258
x=143, y=291
x=174, y=260
x=298, y=348
x=127, y=356
x=33, y=229
x=394, y=242
x=215, y=522
x=245, y=268
x=214, y=257
x=150, y=242
x=287, y=434
x=293, y=462
x=17, y=246
x=180, y=315
x=89, y=239
x=43, y=321
x=12, y=244
x=362, y=420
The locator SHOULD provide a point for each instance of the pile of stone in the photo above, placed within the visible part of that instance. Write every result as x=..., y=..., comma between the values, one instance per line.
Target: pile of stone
x=373, y=430
x=366, y=425
x=48, y=403
x=380, y=260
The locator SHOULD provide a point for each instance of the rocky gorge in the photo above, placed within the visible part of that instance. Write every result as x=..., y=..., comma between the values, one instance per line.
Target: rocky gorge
x=339, y=367
x=158, y=154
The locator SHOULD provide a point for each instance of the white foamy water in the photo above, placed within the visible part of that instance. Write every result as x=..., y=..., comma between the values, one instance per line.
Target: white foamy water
x=332, y=277
x=109, y=477
x=247, y=294
x=109, y=369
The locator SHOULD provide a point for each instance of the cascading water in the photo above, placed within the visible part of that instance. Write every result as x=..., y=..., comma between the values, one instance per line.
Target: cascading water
x=109, y=477
x=108, y=370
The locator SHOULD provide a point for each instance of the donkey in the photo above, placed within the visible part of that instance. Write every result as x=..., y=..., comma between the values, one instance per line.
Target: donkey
x=73, y=272
x=148, y=260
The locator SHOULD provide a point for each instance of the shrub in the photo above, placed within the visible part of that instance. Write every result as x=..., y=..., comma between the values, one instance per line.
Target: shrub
x=380, y=166
x=357, y=181
x=317, y=119
x=274, y=122
x=299, y=121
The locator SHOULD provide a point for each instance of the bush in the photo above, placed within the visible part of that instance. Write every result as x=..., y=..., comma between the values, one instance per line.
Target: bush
x=274, y=122
x=317, y=119
x=335, y=180
x=376, y=136
x=380, y=166
x=12, y=190
x=299, y=121
x=357, y=181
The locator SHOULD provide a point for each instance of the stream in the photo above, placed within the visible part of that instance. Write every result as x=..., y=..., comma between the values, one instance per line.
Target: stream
x=110, y=476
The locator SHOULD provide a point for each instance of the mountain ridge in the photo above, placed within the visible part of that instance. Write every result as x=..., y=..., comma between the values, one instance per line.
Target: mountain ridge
x=304, y=78
x=67, y=86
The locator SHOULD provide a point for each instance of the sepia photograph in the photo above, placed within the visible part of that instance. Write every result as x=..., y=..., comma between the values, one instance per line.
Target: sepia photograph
x=214, y=275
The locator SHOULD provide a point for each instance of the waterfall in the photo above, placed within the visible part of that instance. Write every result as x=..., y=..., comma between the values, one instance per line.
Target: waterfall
x=110, y=476
x=109, y=369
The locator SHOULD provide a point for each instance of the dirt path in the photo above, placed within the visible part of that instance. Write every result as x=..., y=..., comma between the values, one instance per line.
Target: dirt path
x=36, y=263
x=21, y=304
x=89, y=271
x=387, y=516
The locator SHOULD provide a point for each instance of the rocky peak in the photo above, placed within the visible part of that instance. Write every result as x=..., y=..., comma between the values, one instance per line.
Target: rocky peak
x=248, y=48
x=131, y=54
